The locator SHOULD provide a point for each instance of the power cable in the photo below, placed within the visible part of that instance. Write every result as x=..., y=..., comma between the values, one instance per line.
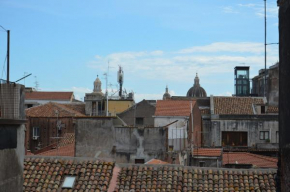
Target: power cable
x=3, y=67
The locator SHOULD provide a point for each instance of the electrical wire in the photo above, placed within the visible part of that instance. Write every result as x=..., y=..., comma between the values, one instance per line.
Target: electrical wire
x=3, y=28
x=3, y=67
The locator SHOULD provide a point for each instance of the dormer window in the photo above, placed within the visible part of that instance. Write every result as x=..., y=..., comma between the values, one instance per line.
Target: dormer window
x=69, y=182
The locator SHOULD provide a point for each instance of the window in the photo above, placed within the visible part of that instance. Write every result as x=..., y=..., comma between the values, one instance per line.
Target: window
x=202, y=164
x=277, y=136
x=69, y=182
x=139, y=121
x=264, y=135
x=139, y=161
x=36, y=132
x=262, y=109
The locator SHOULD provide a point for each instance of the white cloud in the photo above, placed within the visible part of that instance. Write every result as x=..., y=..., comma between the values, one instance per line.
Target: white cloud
x=247, y=47
x=211, y=60
x=229, y=9
x=247, y=5
x=228, y=93
x=79, y=92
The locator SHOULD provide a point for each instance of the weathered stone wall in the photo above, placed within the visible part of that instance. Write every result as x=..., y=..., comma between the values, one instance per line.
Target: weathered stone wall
x=284, y=101
x=252, y=127
x=12, y=137
x=99, y=138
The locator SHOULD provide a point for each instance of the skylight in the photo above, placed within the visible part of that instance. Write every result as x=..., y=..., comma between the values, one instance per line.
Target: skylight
x=69, y=182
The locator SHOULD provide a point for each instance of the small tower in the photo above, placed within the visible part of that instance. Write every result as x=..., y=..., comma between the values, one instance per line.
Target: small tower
x=166, y=95
x=97, y=85
x=242, y=81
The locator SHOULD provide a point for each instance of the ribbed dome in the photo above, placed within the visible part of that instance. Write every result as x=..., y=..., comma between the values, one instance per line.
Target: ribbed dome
x=196, y=90
x=166, y=95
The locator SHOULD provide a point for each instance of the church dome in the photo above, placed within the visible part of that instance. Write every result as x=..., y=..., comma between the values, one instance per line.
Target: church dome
x=196, y=90
x=166, y=95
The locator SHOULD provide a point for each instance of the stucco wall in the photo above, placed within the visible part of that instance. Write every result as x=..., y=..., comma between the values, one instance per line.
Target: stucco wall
x=99, y=138
x=143, y=110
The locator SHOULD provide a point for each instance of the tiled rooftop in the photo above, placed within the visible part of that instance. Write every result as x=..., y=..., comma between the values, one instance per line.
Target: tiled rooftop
x=156, y=162
x=48, y=174
x=173, y=108
x=46, y=95
x=176, y=178
x=259, y=161
x=208, y=152
x=235, y=105
x=272, y=109
x=48, y=110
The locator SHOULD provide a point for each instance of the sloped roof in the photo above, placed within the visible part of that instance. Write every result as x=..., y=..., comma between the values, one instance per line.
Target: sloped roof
x=47, y=95
x=156, y=162
x=179, y=178
x=173, y=108
x=272, y=109
x=149, y=102
x=236, y=105
x=207, y=152
x=260, y=161
x=49, y=109
x=48, y=174
x=79, y=107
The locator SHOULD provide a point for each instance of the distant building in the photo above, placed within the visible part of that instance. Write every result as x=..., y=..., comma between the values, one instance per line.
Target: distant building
x=139, y=115
x=96, y=102
x=242, y=81
x=48, y=123
x=196, y=90
x=241, y=122
x=175, y=114
x=35, y=98
x=272, y=84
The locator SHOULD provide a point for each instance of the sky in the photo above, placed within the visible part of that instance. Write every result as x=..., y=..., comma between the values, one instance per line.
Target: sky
x=66, y=44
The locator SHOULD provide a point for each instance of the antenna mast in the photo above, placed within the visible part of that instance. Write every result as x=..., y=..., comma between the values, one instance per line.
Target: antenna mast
x=120, y=76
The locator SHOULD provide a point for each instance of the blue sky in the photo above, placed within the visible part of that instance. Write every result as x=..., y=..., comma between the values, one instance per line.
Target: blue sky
x=67, y=43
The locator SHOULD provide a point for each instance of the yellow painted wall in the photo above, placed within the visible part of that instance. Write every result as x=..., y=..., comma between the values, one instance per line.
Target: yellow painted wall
x=118, y=106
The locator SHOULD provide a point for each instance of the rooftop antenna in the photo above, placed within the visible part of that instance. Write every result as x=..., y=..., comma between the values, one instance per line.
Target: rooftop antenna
x=36, y=83
x=120, y=76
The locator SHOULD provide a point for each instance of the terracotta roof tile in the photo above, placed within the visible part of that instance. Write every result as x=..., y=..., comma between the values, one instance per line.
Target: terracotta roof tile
x=48, y=110
x=260, y=161
x=156, y=162
x=46, y=95
x=48, y=174
x=208, y=152
x=173, y=108
x=173, y=178
x=272, y=109
x=235, y=105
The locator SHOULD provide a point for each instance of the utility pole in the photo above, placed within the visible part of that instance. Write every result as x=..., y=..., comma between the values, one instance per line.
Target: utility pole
x=265, y=73
x=8, y=55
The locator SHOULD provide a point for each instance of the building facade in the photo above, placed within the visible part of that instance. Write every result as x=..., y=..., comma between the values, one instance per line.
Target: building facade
x=140, y=115
x=12, y=134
